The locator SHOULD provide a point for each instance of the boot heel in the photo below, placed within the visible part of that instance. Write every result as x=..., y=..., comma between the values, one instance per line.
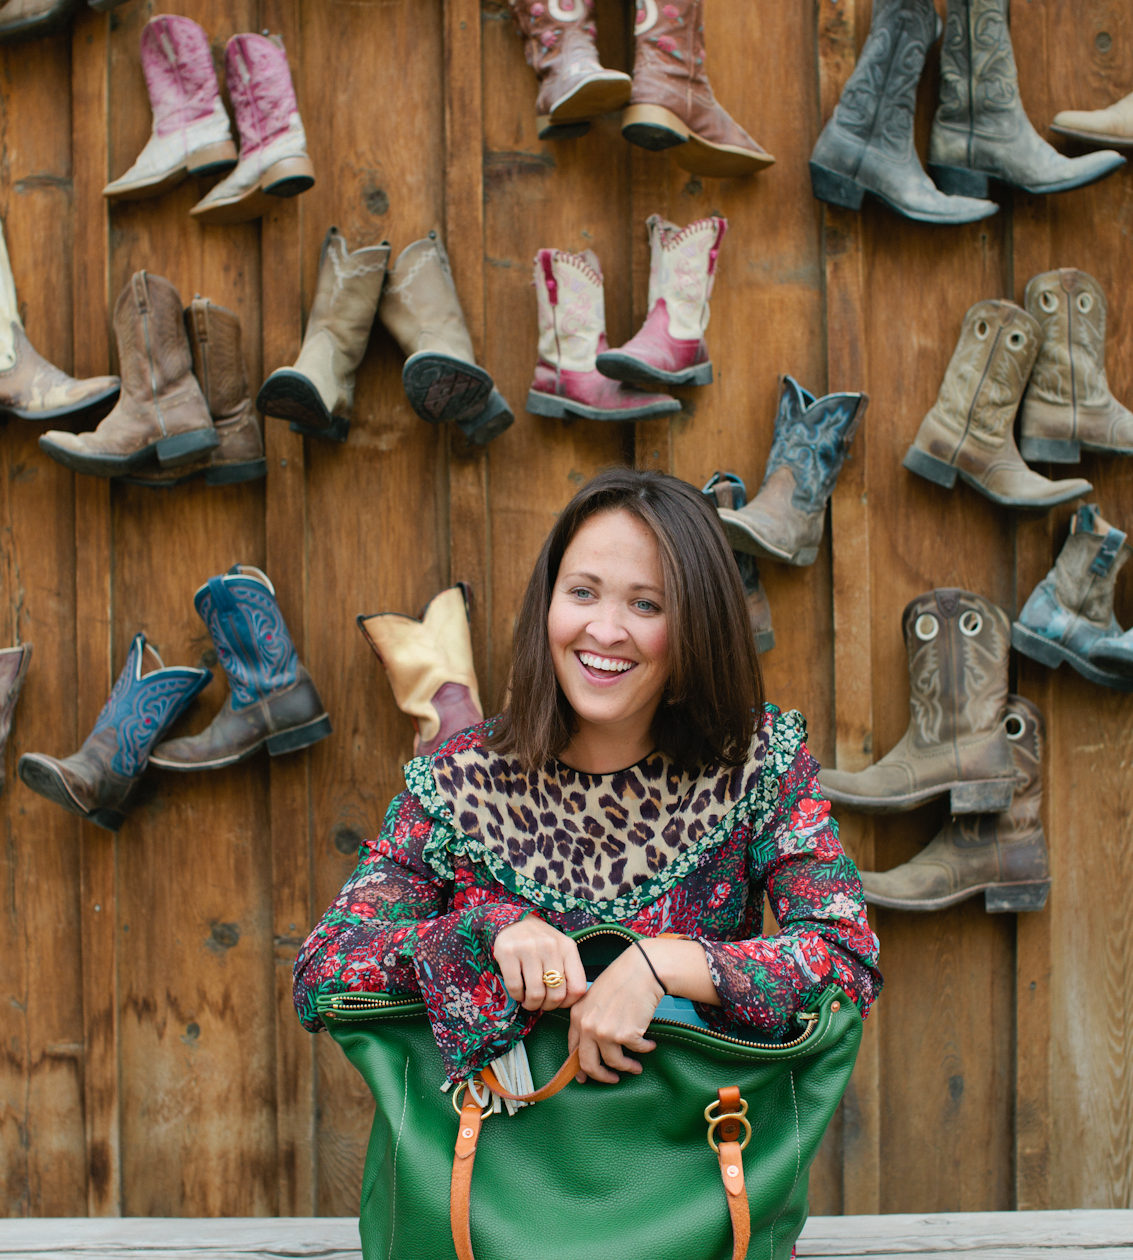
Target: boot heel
x=699, y=375
x=212, y=159
x=958, y=181
x=233, y=474
x=299, y=737
x=835, y=189
x=1014, y=897
x=653, y=127
x=807, y=555
x=992, y=796
x=929, y=467
x=107, y=819
x=1050, y=450
x=540, y=404
x=179, y=448
x=1036, y=646
x=336, y=431
x=288, y=177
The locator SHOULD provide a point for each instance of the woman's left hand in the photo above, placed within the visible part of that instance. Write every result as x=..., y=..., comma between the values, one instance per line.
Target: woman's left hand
x=612, y=1018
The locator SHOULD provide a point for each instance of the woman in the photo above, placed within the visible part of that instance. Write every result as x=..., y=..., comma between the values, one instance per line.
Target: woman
x=634, y=776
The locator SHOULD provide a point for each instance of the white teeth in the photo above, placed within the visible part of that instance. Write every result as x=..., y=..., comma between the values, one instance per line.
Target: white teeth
x=604, y=662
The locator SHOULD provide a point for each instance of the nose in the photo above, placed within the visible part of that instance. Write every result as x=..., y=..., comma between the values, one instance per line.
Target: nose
x=606, y=627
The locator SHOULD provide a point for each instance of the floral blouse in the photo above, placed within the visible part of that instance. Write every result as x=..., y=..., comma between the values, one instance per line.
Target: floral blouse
x=475, y=843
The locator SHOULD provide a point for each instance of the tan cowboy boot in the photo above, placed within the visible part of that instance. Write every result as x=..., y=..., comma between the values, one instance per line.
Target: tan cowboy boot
x=1112, y=126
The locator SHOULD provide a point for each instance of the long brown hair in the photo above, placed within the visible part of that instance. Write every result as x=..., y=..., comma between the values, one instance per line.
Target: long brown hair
x=714, y=696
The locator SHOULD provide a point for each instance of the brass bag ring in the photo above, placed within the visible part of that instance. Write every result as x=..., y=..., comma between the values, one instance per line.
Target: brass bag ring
x=485, y=1108
x=713, y=1121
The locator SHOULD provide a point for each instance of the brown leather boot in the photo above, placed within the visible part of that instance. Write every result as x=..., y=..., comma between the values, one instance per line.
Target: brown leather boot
x=428, y=661
x=672, y=102
x=968, y=432
x=161, y=411
x=728, y=493
x=1068, y=407
x=1001, y=855
x=957, y=644
x=14, y=663
x=559, y=44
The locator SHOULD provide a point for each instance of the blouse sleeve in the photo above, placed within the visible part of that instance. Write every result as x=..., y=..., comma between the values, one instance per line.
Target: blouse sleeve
x=816, y=896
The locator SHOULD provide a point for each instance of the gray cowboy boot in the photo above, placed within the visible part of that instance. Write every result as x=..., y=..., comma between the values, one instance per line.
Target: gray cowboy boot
x=784, y=520
x=1003, y=855
x=980, y=131
x=867, y=145
x=727, y=491
x=958, y=644
x=1069, y=615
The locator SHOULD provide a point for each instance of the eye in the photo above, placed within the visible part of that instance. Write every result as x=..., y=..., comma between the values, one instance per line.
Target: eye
x=581, y=592
x=646, y=606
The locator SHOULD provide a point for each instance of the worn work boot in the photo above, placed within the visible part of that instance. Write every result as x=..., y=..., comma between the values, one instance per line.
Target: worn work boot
x=271, y=698
x=428, y=661
x=317, y=393
x=784, y=520
x=421, y=310
x=1112, y=126
x=727, y=491
x=1001, y=855
x=957, y=644
x=980, y=132
x=571, y=308
x=273, y=145
x=191, y=134
x=23, y=19
x=559, y=44
x=161, y=410
x=1070, y=613
x=1068, y=406
x=867, y=145
x=969, y=431
x=672, y=102
x=14, y=663
x=669, y=348
x=218, y=364
x=98, y=781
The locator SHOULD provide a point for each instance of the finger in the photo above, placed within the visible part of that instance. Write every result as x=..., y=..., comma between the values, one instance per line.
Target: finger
x=556, y=994
x=591, y=1063
x=512, y=975
x=615, y=1058
x=534, y=990
x=575, y=977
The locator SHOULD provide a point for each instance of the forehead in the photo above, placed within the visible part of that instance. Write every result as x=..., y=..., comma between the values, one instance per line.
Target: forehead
x=614, y=537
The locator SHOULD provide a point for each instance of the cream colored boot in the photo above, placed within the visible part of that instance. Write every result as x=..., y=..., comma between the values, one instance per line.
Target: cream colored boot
x=1111, y=127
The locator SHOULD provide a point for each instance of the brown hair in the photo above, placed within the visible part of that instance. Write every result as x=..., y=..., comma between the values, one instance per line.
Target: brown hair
x=714, y=695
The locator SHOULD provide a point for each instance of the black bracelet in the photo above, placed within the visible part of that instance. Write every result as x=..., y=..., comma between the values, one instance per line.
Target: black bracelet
x=652, y=968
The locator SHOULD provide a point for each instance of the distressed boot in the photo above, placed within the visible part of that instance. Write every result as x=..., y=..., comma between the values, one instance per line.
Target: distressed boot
x=1068, y=406
x=14, y=663
x=191, y=134
x=1069, y=615
x=957, y=644
x=421, y=310
x=161, y=411
x=785, y=519
x=672, y=102
x=428, y=661
x=271, y=698
x=218, y=364
x=1001, y=855
x=669, y=348
x=559, y=44
x=317, y=393
x=867, y=145
x=98, y=781
x=273, y=145
x=1112, y=126
x=571, y=307
x=969, y=431
x=980, y=132
x=24, y=19
x=727, y=491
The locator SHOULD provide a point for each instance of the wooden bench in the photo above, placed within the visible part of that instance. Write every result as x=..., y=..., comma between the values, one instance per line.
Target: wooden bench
x=1072, y=1235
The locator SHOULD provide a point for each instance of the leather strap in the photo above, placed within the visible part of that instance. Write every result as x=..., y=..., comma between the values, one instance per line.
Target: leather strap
x=730, y=1154
x=561, y=1079
x=460, y=1195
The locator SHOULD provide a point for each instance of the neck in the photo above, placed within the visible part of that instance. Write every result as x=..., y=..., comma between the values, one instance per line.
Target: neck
x=603, y=753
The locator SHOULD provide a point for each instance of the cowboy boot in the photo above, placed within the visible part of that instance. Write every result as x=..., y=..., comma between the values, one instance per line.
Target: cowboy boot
x=191, y=134
x=570, y=303
x=957, y=645
x=1001, y=855
x=1110, y=126
x=980, y=132
x=726, y=490
x=867, y=145
x=669, y=348
x=161, y=410
x=428, y=661
x=784, y=520
x=968, y=432
x=273, y=145
x=559, y=44
x=14, y=663
x=1070, y=612
x=218, y=365
x=23, y=19
x=421, y=310
x=317, y=393
x=1068, y=406
x=98, y=781
x=672, y=102
x=271, y=698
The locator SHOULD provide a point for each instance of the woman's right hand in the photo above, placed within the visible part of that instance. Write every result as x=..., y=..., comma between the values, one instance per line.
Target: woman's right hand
x=524, y=951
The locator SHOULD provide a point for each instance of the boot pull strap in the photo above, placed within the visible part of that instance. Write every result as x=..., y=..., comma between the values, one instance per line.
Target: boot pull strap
x=222, y=599
x=714, y=252
x=1107, y=552
x=549, y=277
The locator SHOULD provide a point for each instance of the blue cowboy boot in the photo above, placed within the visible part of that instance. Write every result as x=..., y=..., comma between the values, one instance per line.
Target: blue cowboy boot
x=812, y=436
x=726, y=490
x=271, y=700
x=98, y=781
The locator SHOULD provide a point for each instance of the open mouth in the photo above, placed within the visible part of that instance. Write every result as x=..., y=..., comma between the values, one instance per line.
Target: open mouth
x=604, y=666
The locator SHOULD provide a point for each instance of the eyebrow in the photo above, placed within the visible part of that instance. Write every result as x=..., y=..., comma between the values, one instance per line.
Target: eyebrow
x=595, y=580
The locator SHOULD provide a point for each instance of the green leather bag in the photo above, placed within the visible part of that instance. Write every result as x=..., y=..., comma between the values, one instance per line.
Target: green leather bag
x=596, y=1171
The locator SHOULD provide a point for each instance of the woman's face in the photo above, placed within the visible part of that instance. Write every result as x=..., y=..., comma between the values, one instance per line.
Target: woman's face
x=608, y=636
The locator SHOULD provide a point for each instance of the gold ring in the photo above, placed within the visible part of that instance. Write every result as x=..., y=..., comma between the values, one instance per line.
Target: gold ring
x=553, y=979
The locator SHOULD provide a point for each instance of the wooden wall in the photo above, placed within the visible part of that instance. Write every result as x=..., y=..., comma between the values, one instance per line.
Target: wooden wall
x=151, y=1062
